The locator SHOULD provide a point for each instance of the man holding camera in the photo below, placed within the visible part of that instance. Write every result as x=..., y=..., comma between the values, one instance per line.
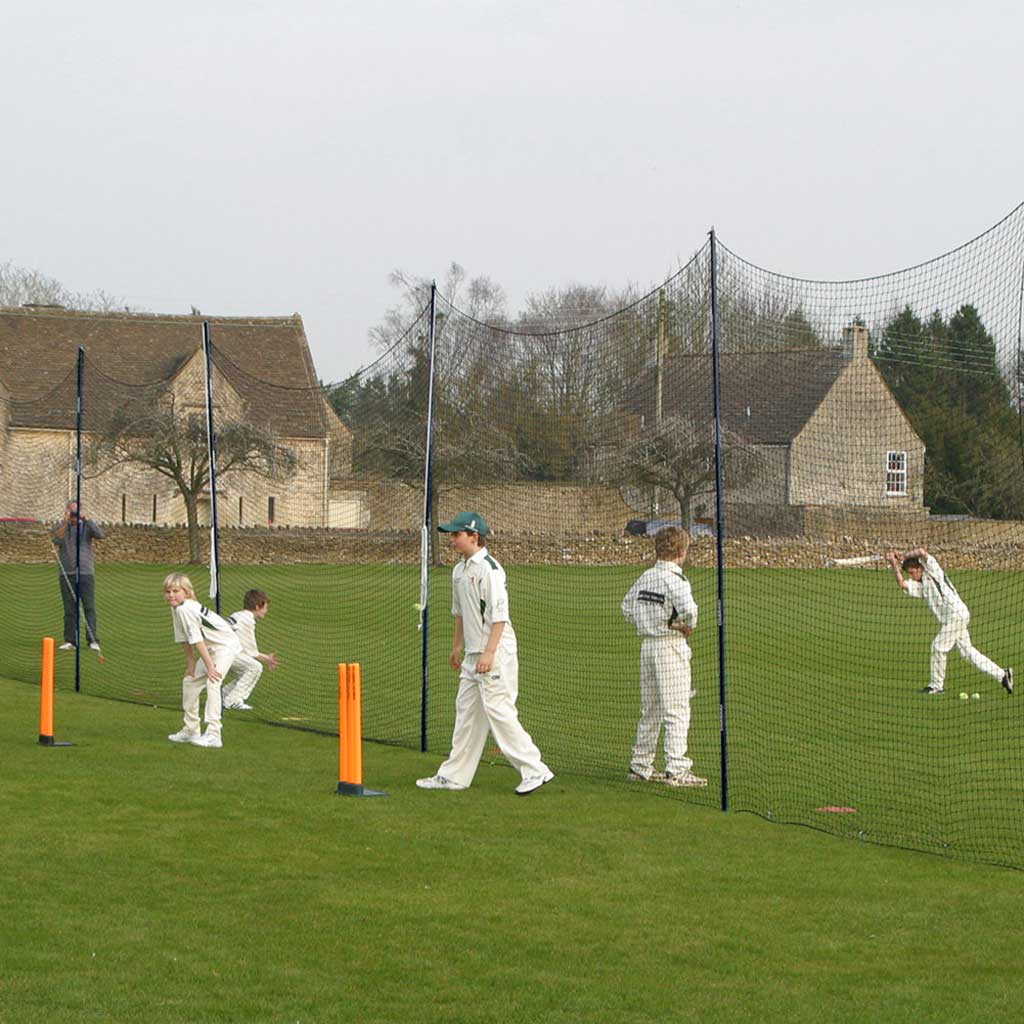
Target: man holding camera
x=73, y=539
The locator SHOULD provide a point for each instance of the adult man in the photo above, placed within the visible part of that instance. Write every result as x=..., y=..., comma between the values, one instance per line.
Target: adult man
x=73, y=539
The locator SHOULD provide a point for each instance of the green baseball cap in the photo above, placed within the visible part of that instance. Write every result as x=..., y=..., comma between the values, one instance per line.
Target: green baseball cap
x=471, y=521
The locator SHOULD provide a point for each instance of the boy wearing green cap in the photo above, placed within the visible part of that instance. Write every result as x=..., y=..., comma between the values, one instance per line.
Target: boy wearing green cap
x=489, y=668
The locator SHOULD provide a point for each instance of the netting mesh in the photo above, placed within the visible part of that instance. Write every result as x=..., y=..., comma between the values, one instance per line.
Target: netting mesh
x=855, y=418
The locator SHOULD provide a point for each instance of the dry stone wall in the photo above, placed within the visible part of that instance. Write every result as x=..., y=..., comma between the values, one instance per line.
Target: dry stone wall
x=960, y=545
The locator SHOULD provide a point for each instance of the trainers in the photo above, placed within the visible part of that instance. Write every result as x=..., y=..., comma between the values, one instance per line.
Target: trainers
x=184, y=736
x=654, y=776
x=532, y=782
x=1008, y=681
x=242, y=706
x=685, y=779
x=438, y=782
x=66, y=647
x=210, y=739
x=94, y=646
x=934, y=689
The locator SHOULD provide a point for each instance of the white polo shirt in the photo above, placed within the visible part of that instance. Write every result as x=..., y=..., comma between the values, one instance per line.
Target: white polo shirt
x=939, y=592
x=194, y=622
x=245, y=628
x=661, y=596
x=480, y=596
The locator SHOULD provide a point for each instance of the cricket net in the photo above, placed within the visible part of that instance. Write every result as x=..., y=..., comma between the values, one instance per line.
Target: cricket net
x=799, y=429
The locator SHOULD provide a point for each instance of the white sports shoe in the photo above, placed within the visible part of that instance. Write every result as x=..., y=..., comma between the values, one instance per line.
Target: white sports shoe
x=94, y=646
x=66, y=647
x=439, y=782
x=184, y=736
x=685, y=779
x=655, y=776
x=239, y=705
x=208, y=740
x=532, y=782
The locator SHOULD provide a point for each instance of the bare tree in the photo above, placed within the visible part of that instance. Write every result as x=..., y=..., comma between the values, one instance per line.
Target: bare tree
x=150, y=433
x=678, y=456
x=20, y=286
x=479, y=297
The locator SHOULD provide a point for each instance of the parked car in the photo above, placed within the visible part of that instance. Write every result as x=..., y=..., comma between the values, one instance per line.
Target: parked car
x=649, y=527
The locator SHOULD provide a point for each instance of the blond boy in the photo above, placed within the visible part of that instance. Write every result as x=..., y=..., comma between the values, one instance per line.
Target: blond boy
x=661, y=607
x=210, y=647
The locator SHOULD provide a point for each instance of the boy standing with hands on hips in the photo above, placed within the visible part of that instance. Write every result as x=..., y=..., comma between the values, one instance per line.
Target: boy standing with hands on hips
x=489, y=669
x=661, y=607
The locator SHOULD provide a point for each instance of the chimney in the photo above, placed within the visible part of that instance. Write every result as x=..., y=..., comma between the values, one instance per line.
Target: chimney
x=855, y=341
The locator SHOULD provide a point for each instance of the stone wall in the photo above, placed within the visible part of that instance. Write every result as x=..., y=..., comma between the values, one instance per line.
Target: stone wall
x=959, y=544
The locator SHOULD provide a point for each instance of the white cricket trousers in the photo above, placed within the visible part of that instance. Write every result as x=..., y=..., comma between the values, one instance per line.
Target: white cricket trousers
x=192, y=686
x=955, y=634
x=664, y=701
x=247, y=672
x=486, y=702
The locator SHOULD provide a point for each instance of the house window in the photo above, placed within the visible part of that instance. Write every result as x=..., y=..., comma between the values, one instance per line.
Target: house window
x=895, y=474
x=270, y=511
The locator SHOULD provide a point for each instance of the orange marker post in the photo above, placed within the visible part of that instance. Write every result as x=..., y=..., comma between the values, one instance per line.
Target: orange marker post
x=46, y=697
x=350, y=733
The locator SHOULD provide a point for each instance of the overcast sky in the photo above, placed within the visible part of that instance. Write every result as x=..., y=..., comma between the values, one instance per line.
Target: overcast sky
x=269, y=158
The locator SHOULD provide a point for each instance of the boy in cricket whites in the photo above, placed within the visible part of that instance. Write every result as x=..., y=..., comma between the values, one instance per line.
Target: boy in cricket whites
x=489, y=669
x=210, y=647
x=661, y=607
x=248, y=666
x=927, y=580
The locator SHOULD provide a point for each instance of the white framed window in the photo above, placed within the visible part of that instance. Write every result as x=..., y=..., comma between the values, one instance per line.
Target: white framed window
x=895, y=474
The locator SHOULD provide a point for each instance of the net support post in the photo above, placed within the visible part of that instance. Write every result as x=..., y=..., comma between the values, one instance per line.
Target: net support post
x=46, y=697
x=350, y=733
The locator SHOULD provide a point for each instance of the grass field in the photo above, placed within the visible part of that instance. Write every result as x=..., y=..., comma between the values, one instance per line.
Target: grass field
x=823, y=672
x=147, y=882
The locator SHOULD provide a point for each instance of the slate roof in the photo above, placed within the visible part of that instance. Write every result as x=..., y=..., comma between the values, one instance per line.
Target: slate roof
x=766, y=397
x=266, y=359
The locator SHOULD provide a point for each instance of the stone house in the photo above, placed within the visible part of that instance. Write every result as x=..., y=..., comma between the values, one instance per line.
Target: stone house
x=827, y=432
x=263, y=375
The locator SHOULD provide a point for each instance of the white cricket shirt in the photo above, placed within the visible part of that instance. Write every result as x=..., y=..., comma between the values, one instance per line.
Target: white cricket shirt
x=939, y=592
x=660, y=597
x=245, y=628
x=480, y=596
x=194, y=622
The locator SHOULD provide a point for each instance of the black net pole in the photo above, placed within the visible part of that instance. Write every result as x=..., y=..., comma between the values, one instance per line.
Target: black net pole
x=719, y=522
x=78, y=520
x=428, y=515
x=212, y=441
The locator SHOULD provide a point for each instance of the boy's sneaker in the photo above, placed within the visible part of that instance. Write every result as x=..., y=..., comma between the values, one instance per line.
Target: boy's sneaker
x=183, y=736
x=533, y=782
x=66, y=647
x=94, y=646
x=684, y=779
x=438, y=782
x=208, y=740
x=654, y=776
x=932, y=689
x=1007, y=681
x=240, y=705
